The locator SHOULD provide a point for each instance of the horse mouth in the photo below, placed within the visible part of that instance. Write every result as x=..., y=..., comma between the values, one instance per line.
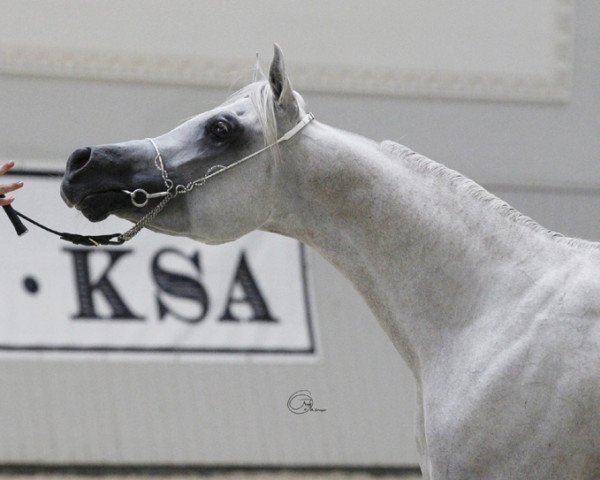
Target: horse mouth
x=99, y=205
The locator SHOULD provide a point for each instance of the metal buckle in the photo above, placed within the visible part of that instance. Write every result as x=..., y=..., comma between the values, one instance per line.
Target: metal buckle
x=146, y=196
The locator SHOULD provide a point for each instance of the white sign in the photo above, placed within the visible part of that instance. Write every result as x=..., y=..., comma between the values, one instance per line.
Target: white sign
x=154, y=294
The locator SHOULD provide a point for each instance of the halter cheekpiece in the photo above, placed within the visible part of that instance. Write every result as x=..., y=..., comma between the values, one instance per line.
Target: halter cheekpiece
x=140, y=197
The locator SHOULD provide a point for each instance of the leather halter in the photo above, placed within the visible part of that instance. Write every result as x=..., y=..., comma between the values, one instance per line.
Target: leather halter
x=143, y=196
x=140, y=197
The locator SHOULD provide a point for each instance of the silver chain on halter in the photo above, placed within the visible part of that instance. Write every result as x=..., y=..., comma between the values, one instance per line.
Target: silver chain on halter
x=173, y=190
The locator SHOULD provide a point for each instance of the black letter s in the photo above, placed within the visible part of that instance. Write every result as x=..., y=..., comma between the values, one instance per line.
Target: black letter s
x=180, y=286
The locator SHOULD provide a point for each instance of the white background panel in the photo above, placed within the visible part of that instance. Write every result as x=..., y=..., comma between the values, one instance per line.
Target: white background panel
x=541, y=157
x=465, y=48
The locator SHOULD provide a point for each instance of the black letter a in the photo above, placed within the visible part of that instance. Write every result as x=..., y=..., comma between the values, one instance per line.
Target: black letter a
x=252, y=296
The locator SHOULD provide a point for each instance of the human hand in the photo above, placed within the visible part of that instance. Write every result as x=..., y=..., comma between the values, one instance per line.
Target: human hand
x=9, y=187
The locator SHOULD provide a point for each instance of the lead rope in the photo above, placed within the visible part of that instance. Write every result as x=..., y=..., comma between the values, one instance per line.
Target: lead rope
x=170, y=193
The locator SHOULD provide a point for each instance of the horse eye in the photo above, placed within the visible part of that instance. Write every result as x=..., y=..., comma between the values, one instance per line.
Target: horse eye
x=220, y=129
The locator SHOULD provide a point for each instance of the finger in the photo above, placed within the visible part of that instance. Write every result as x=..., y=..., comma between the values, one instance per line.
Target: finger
x=11, y=187
x=6, y=201
x=6, y=167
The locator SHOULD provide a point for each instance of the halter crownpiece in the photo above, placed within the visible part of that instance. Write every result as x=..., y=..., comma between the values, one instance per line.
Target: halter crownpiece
x=140, y=197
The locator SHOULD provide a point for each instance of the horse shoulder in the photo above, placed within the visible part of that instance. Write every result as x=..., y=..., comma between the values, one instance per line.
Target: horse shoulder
x=535, y=402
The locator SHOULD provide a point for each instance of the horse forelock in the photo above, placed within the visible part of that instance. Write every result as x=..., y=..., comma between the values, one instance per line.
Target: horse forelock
x=260, y=95
x=461, y=183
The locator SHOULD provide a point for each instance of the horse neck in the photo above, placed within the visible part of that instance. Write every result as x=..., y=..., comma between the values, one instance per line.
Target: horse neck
x=429, y=258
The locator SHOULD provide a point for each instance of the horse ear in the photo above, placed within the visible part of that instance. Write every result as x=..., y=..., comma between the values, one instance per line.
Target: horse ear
x=280, y=83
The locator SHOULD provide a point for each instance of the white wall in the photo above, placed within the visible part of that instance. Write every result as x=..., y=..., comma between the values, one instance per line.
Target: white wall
x=541, y=156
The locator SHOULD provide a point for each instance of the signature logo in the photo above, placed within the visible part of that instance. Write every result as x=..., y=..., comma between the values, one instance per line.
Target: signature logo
x=301, y=402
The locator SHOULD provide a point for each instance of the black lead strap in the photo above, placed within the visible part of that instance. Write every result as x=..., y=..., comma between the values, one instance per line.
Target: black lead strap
x=20, y=228
x=87, y=240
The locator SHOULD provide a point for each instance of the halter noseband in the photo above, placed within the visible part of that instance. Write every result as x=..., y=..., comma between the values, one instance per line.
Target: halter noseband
x=140, y=197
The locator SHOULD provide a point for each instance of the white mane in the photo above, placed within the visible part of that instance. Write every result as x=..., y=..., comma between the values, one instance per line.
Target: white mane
x=461, y=183
x=259, y=92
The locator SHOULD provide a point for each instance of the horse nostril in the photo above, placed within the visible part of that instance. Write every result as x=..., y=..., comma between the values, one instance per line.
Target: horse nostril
x=78, y=159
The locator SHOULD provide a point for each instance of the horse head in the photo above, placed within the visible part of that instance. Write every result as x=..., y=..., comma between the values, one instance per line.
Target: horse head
x=109, y=179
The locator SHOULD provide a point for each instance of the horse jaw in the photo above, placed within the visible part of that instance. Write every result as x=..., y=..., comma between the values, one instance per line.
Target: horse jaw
x=173, y=220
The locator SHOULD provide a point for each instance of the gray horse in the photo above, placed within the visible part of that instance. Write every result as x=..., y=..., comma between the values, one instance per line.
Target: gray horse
x=498, y=318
